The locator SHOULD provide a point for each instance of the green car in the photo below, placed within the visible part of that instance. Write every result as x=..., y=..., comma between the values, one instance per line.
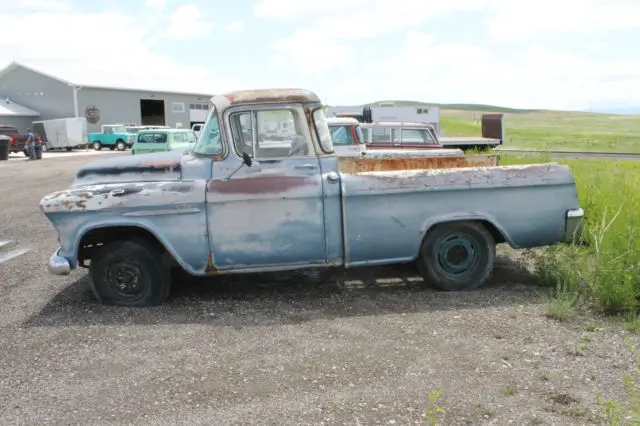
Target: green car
x=156, y=140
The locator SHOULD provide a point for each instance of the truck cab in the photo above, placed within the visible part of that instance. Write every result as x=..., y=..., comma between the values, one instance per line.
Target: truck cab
x=346, y=135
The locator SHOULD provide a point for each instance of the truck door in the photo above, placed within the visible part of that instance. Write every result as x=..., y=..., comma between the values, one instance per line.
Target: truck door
x=269, y=215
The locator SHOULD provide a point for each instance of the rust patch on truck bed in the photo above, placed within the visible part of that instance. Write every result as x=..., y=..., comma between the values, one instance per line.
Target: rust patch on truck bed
x=354, y=165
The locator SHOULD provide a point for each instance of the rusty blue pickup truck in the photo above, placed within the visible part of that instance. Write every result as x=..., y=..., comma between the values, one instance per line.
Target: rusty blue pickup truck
x=262, y=190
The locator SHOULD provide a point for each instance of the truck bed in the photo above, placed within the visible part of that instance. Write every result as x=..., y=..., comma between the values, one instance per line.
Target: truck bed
x=386, y=213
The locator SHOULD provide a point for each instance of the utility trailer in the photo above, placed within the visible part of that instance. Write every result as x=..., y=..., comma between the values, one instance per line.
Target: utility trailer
x=492, y=124
x=62, y=133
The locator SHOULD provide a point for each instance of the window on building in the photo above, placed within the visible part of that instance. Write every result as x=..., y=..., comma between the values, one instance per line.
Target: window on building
x=177, y=107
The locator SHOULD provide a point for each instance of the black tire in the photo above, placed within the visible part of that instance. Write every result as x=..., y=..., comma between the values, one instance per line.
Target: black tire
x=97, y=145
x=476, y=247
x=141, y=261
x=69, y=148
x=120, y=145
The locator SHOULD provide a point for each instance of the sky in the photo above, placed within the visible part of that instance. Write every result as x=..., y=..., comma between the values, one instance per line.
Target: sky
x=553, y=54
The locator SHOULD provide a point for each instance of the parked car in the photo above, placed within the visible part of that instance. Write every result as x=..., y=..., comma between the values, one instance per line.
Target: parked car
x=237, y=203
x=113, y=136
x=163, y=140
x=18, y=140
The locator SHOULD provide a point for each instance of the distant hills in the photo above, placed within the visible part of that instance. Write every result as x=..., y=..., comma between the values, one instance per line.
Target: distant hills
x=495, y=108
x=461, y=107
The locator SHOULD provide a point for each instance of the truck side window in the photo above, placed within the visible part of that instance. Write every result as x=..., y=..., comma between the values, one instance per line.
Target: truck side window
x=277, y=133
x=414, y=136
x=241, y=132
x=381, y=134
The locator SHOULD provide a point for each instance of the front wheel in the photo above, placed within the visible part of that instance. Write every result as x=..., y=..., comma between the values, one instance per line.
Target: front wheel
x=120, y=145
x=97, y=146
x=457, y=256
x=130, y=273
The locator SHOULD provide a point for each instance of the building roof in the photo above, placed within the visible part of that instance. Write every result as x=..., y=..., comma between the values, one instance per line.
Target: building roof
x=13, y=65
x=10, y=108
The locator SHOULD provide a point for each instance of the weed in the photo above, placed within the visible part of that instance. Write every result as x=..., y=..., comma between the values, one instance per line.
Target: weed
x=591, y=326
x=486, y=412
x=578, y=348
x=543, y=375
x=615, y=412
x=510, y=389
x=434, y=412
x=632, y=324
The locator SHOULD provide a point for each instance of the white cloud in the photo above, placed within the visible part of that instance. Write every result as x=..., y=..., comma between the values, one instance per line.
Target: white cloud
x=186, y=23
x=157, y=4
x=361, y=19
x=105, y=58
x=517, y=21
x=531, y=72
x=8, y=6
x=235, y=27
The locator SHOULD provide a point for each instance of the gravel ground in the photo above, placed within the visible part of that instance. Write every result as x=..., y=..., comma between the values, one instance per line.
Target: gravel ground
x=284, y=348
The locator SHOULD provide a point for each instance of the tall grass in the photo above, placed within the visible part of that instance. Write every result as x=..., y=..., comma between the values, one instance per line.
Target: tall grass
x=548, y=131
x=605, y=271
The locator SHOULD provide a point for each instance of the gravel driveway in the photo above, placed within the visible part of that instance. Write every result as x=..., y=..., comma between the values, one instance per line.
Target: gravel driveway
x=284, y=348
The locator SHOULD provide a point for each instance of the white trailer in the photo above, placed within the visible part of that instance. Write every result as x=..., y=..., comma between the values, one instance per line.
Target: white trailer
x=62, y=133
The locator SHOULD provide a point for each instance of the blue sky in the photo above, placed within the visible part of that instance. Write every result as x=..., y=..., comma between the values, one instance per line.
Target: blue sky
x=567, y=54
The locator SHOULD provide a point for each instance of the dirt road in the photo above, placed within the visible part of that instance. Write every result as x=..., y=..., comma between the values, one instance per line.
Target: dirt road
x=283, y=349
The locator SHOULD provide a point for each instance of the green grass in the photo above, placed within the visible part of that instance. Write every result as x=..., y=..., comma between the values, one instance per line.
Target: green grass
x=606, y=272
x=554, y=130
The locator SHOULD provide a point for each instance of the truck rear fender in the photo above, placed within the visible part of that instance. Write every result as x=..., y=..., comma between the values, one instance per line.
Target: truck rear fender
x=499, y=233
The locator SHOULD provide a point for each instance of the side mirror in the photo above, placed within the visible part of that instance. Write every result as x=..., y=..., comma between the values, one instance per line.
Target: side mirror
x=246, y=159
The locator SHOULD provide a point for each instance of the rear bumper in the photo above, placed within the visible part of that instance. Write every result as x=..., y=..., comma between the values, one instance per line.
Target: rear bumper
x=574, y=225
x=59, y=265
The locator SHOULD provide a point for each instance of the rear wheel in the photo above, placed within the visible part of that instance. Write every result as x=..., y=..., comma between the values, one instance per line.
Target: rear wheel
x=457, y=256
x=97, y=146
x=120, y=145
x=130, y=273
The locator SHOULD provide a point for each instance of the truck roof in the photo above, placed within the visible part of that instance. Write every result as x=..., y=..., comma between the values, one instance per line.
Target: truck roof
x=397, y=124
x=261, y=96
x=342, y=120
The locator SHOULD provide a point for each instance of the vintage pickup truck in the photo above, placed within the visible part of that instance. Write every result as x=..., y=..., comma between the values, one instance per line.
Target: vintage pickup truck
x=239, y=203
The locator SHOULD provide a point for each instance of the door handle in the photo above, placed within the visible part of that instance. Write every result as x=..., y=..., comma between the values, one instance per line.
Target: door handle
x=333, y=177
x=305, y=166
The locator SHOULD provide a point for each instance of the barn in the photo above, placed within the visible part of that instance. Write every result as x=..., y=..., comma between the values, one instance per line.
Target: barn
x=28, y=95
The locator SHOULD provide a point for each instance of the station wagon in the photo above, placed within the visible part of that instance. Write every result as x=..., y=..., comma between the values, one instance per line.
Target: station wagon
x=157, y=140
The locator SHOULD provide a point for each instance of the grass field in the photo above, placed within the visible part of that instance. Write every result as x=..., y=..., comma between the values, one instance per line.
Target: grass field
x=549, y=130
x=606, y=272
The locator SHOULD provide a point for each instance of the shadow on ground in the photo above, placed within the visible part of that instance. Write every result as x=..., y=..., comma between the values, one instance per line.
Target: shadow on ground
x=289, y=298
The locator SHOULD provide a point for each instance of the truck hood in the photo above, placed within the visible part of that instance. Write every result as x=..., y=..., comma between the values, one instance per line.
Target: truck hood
x=160, y=166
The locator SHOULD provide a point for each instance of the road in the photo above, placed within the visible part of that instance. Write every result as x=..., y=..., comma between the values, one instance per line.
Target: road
x=281, y=349
x=593, y=155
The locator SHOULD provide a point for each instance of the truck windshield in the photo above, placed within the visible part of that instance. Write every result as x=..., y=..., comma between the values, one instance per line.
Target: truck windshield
x=209, y=142
x=341, y=135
